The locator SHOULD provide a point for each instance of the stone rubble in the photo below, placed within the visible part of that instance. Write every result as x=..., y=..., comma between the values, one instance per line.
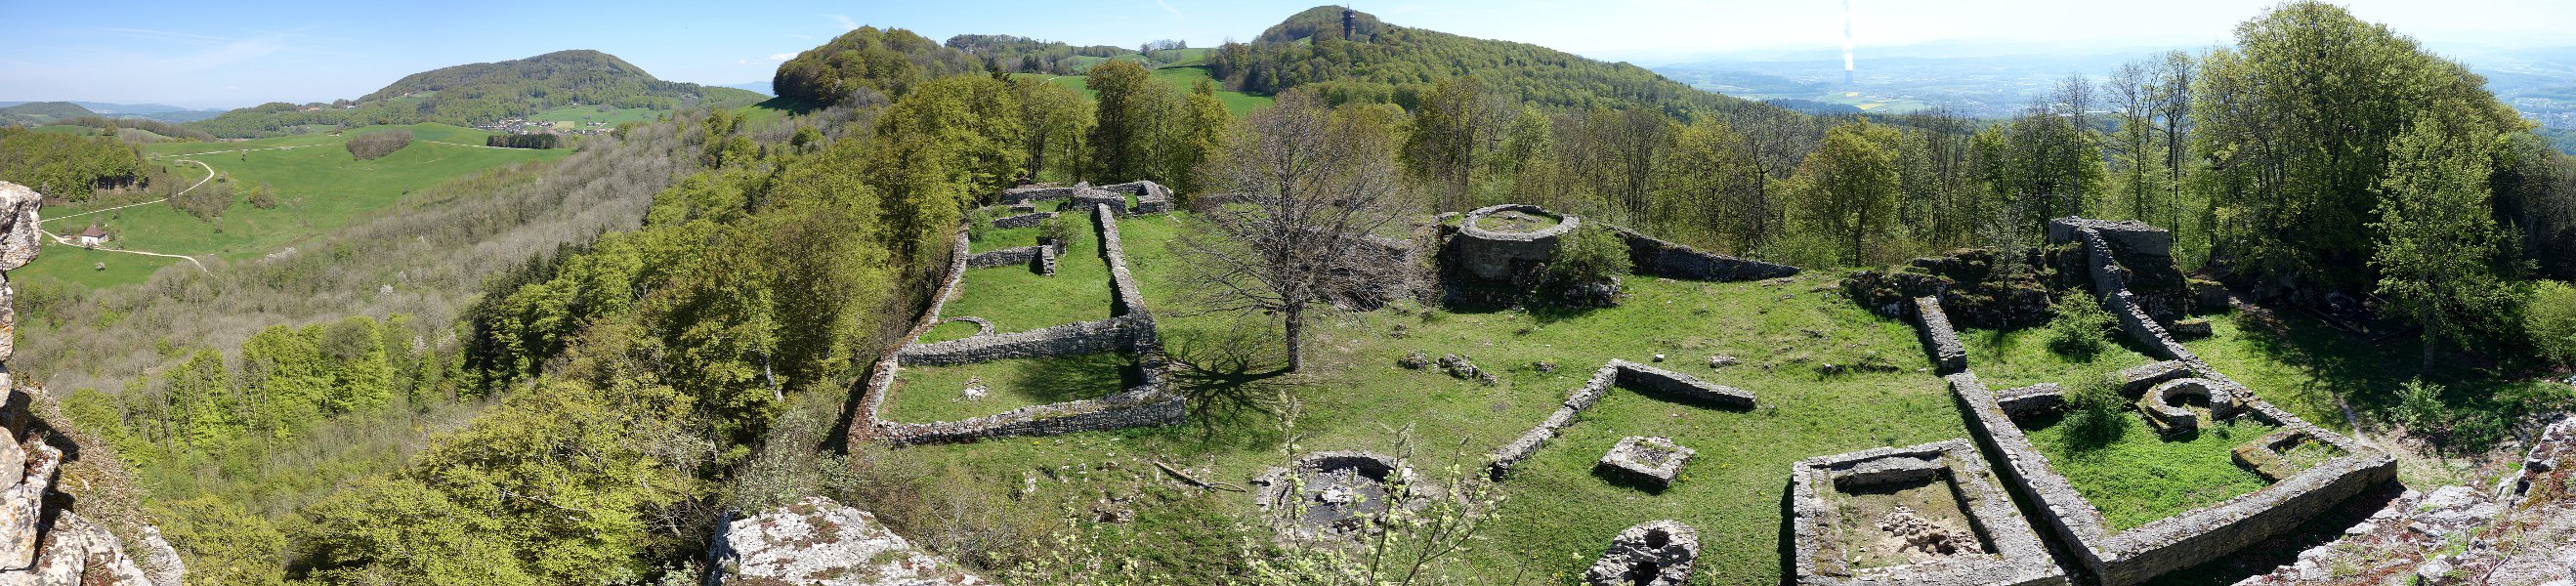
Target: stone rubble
x=2521, y=531
x=1653, y=553
x=818, y=541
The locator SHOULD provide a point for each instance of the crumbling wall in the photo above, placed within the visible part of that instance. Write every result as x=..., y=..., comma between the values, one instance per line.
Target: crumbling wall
x=1933, y=326
x=1039, y=258
x=2015, y=555
x=1027, y=220
x=1130, y=330
x=1491, y=255
x=1656, y=257
x=1667, y=384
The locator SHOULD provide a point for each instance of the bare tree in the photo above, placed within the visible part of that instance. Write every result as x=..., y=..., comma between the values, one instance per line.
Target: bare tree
x=1312, y=184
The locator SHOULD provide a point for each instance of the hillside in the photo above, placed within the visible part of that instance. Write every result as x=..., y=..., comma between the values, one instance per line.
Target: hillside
x=485, y=93
x=1394, y=64
x=885, y=62
x=38, y=113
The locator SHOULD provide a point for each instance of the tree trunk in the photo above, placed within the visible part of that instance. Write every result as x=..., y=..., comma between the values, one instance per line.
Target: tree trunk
x=1295, y=313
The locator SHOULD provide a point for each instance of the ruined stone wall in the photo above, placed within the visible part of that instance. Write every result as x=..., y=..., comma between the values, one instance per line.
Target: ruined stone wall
x=2121, y=558
x=1933, y=326
x=1034, y=194
x=42, y=541
x=1490, y=255
x=1656, y=257
x=1035, y=257
x=1131, y=330
x=1664, y=384
x=1027, y=220
x=2015, y=554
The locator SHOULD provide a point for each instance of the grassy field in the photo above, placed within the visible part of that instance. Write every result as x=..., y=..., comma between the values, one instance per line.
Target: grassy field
x=319, y=188
x=1181, y=76
x=935, y=393
x=2005, y=360
x=1558, y=514
x=2139, y=477
x=1017, y=299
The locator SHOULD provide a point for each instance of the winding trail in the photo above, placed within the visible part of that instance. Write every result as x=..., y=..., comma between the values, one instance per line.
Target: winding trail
x=61, y=240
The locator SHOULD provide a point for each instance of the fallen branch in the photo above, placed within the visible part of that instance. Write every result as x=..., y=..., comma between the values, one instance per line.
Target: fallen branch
x=1176, y=473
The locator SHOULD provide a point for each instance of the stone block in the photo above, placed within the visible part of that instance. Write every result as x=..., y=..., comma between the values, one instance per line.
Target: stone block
x=2032, y=400
x=1674, y=385
x=2190, y=329
x=1652, y=461
x=1653, y=553
x=2135, y=380
x=1933, y=326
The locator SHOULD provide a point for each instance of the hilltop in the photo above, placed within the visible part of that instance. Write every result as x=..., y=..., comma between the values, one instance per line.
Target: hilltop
x=36, y=113
x=1382, y=62
x=577, y=85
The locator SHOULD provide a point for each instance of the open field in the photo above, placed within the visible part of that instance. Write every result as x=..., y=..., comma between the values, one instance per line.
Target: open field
x=934, y=393
x=319, y=188
x=584, y=115
x=1181, y=76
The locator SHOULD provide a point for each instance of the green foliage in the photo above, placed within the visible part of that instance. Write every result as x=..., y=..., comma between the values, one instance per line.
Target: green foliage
x=1010, y=54
x=2549, y=320
x=2441, y=257
x=1591, y=254
x=223, y=543
x=2081, y=328
x=1063, y=229
x=70, y=167
x=1399, y=65
x=2096, y=414
x=480, y=93
x=867, y=62
x=375, y=145
x=2301, y=119
x=1848, y=188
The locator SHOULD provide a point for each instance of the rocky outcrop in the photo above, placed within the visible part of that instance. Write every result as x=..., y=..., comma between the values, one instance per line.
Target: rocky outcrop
x=42, y=542
x=2519, y=529
x=819, y=541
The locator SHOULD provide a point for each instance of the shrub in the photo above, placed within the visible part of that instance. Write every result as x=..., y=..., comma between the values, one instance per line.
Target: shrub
x=375, y=145
x=265, y=198
x=2096, y=413
x=2080, y=329
x=1061, y=229
x=1588, y=265
x=2549, y=318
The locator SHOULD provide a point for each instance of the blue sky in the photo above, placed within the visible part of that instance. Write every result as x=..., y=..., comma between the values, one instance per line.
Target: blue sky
x=232, y=54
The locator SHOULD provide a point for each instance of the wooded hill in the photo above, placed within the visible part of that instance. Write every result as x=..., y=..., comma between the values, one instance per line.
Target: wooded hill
x=1385, y=63
x=35, y=113
x=482, y=93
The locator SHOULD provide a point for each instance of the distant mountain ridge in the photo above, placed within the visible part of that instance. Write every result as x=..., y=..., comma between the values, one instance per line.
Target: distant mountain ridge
x=1381, y=62
x=484, y=93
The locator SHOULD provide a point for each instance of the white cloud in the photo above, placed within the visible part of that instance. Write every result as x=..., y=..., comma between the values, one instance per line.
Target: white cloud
x=1167, y=7
x=781, y=56
x=851, y=25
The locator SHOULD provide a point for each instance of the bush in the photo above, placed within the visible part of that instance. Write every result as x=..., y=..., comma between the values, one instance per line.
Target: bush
x=1061, y=229
x=375, y=145
x=265, y=198
x=2080, y=329
x=1588, y=265
x=2096, y=413
x=2549, y=318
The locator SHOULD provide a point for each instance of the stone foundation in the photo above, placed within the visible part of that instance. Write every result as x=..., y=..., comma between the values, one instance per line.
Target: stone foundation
x=2002, y=549
x=1333, y=493
x=1027, y=220
x=1933, y=326
x=1491, y=255
x=1653, y=553
x=1663, y=384
x=1130, y=330
x=1653, y=461
x=1037, y=258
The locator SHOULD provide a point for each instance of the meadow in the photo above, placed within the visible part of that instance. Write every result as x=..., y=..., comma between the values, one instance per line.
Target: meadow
x=1180, y=76
x=318, y=186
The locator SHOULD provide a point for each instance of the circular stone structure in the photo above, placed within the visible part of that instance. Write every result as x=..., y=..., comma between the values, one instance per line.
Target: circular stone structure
x=1653, y=553
x=1490, y=252
x=1335, y=492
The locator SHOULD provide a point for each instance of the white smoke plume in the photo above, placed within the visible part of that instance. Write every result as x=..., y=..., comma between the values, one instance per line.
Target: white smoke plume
x=1849, y=6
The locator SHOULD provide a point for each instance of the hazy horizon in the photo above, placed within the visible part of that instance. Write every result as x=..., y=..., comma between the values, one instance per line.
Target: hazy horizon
x=228, y=56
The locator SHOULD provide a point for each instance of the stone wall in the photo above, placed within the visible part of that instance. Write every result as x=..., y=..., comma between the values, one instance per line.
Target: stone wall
x=1027, y=220
x=1035, y=257
x=1038, y=193
x=42, y=540
x=1933, y=327
x=1131, y=330
x=2016, y=556
x=1491, y=255
x=2135, y=555
x=1656, y=257
x=1664, y=383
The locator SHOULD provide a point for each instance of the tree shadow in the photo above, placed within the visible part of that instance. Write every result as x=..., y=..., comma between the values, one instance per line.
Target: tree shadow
x=1237, y=388
x=2262, y=557
x=1073, y=378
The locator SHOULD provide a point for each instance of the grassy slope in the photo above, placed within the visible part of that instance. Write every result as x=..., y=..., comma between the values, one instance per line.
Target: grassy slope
x=2140, y=478
x=320, y=187
x=589, y=114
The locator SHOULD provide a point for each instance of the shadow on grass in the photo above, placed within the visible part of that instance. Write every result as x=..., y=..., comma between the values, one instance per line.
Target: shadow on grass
x=1788, y=532
x=1073, y=378
x=1625, y=480
x=2480, y=402
x=2262, y=557
x=1238, y=393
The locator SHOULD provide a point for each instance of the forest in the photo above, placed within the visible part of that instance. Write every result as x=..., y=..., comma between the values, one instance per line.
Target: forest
x=605, y=370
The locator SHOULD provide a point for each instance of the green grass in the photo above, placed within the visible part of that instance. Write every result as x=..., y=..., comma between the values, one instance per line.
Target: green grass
x=71, y=129
x=582, y=116
x=1558, y=516
x=2302, y=365
x=1017, y=299
x=2140, y=477
x=955, y=330
x=319, y=187
x=74, y=264
x=2017, y=358
x=927, y=394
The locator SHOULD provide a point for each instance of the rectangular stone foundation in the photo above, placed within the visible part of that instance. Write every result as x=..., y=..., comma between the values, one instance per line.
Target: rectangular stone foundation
x=2011, y=553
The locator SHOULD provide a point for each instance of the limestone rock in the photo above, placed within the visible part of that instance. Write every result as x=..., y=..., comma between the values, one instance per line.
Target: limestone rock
x=820, y=541
x=18, y=234
x=1654, y=553
x=22, y=506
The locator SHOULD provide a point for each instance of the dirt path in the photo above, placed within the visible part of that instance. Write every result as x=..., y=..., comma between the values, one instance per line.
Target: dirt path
x=61, y=240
